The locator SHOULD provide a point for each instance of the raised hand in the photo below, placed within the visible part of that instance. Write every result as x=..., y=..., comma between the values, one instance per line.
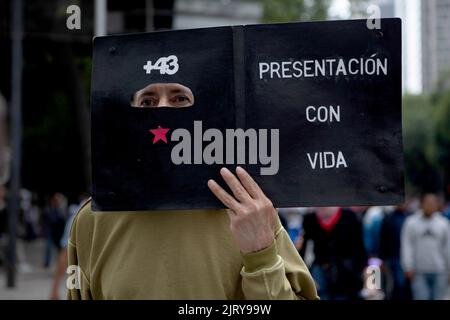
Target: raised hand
x=252, y=215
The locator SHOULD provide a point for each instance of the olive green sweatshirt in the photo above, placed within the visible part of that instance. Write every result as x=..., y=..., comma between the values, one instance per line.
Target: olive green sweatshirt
x=179, y=255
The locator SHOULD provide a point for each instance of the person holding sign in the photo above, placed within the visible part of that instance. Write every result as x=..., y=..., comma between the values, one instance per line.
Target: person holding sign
x=239, y=253
x=149, y=232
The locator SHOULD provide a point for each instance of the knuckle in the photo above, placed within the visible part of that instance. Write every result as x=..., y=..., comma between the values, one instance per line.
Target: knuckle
x=253, y=207
x=239, y=193
x=266, y=203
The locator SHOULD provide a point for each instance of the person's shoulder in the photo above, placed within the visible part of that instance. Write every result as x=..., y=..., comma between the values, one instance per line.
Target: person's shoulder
x=373, y=214
x=84, y=210
x=442, y=220
x=83, y=220
x=413, y=218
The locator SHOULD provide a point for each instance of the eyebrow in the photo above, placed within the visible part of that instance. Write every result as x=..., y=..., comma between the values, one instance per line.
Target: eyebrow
x=174, y=91
x=147, y=93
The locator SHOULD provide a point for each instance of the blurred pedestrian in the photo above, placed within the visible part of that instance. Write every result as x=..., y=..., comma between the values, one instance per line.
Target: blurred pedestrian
x=54, y=222
x=30, y=213
x=372, y=221
x=389, y=252
x=62, y=261
x=292, y=221
x=425, y=250
x=339, y=255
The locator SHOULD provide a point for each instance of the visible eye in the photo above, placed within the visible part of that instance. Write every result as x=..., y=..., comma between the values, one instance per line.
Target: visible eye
x=148, y=103
x=181, y=101
x=182, y=98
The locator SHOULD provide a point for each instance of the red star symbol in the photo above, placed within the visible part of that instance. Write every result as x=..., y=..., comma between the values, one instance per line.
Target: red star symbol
x=160, y=134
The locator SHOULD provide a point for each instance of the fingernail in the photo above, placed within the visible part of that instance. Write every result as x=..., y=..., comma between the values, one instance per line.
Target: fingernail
x=239, y=168
x=223, y=170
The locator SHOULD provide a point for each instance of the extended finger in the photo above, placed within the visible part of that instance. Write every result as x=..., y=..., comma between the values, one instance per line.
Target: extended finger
x=249, y=184
x=223, y=196
x=235, y=185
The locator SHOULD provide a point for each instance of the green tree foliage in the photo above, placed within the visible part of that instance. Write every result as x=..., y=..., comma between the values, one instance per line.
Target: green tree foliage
x=294, y=10
x=418, y=128
x=441, y=101
x=442, y=131
x=426, y=134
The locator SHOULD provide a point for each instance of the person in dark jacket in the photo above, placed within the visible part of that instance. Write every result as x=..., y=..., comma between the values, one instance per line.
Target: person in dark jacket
x=339, y=254
x=390, y=235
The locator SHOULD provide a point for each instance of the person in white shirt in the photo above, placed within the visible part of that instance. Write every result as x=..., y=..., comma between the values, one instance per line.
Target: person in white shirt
x=425, y=250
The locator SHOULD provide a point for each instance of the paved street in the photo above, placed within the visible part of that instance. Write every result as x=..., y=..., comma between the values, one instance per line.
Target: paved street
x=33, y=280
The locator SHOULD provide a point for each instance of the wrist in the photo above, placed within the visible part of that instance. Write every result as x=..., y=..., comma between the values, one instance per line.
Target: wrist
x=258, y=245
x=262, y=259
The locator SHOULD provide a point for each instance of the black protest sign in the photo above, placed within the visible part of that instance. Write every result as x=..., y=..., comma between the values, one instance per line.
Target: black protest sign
x=311, y=110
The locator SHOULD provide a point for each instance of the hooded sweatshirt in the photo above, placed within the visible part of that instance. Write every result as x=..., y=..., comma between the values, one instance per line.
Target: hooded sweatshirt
x=178, y=255
x=425, y=243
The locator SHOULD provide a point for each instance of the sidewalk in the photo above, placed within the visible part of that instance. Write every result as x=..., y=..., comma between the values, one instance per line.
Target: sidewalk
x=33, y=281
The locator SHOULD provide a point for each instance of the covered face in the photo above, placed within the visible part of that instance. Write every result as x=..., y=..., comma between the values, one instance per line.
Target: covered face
x=156, y=95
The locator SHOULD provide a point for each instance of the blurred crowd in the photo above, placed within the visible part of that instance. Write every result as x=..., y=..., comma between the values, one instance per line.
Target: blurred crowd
x=392, y=252
x=48, y=219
